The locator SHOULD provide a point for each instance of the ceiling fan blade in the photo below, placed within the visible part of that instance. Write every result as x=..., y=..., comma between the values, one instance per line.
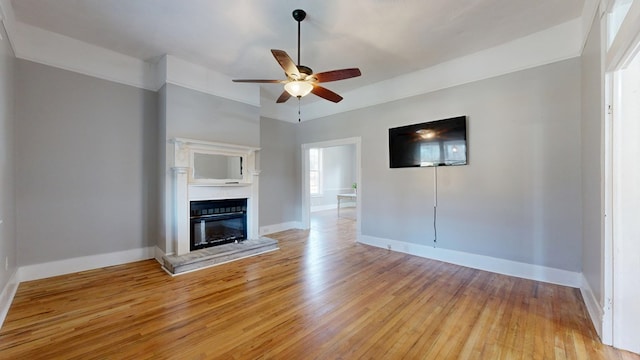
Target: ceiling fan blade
x=283, y=97
x=261, y=81
x=286, y=63
x=326, y=93
x=336, y=75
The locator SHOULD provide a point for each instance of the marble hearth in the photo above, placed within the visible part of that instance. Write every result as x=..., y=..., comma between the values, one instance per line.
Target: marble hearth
x=217, y=255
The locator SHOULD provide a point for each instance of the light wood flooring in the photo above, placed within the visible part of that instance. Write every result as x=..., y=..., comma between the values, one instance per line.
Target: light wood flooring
x=321, y=296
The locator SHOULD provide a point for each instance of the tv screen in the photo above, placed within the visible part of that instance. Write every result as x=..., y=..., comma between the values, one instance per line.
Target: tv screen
x=435, y=143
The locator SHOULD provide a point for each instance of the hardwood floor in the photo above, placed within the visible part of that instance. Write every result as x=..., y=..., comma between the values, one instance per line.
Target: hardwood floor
x=321, y=296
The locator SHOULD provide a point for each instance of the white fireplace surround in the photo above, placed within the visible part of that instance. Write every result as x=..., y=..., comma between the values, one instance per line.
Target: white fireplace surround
x=187, y=187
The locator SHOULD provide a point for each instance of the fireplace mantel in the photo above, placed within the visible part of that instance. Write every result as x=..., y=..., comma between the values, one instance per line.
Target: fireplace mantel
x=186, y=151
x=189, y=187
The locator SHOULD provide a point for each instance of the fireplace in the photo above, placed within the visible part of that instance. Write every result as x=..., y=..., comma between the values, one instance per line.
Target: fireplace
x=195, y=221
x=217, y=222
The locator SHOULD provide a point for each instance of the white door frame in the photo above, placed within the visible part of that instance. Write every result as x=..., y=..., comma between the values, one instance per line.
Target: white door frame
x=607, y=230
x=624, y=47
x=306, y=196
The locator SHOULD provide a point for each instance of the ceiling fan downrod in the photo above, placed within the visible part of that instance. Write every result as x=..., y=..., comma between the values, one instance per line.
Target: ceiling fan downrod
x=299, y=15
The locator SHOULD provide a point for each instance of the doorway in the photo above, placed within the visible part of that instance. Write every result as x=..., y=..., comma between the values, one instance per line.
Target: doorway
x=325, y=195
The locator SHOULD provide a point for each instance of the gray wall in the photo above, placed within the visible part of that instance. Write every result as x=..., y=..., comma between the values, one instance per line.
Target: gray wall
x=164, y=231
x=338, y=174
x=196, y=115
x=86, y=159
x=8, y=245
x=280, y=194
x=592, y=160
x=518, y=199
x=86, y=155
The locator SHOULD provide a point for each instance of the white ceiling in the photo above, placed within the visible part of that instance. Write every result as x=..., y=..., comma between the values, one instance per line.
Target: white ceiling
x=384, y=38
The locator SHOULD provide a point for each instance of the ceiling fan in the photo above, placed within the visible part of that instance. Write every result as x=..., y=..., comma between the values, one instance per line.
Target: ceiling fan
x=300, y=79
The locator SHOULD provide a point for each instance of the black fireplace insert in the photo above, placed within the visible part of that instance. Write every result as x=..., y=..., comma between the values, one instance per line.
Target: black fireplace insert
x=217, y=222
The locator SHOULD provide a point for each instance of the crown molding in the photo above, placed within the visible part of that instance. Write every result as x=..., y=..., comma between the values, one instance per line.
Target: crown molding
x=192, y=76
x=590, y=10
x=8, y=20
x=45, y=47
x=63, y=52
x=49, y=48
x=558, y=43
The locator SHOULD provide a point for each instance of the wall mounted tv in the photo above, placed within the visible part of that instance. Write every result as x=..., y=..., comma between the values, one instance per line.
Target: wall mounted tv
x=434, y=143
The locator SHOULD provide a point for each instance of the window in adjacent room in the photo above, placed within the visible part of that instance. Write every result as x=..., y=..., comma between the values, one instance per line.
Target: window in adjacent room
x=315, y=171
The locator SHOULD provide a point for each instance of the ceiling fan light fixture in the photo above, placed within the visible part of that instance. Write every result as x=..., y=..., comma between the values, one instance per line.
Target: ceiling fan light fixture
x=298, y=88
x=301, y=80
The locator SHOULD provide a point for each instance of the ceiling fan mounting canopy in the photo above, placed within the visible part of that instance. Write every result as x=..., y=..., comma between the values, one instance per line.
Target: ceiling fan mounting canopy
x=300, y=79
x=299, y=15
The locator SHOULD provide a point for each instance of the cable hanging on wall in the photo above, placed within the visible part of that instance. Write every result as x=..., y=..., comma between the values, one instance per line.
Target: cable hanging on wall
x=435, y=205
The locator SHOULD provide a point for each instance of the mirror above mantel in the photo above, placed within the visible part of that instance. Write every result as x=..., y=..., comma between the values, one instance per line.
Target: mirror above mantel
x=218, y=164
x=217, y=167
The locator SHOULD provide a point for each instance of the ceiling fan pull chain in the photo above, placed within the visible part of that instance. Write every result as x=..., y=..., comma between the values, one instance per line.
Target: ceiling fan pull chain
x=298, y=109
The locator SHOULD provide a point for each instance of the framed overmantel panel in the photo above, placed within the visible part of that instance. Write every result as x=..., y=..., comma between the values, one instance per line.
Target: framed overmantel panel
x=215, y=164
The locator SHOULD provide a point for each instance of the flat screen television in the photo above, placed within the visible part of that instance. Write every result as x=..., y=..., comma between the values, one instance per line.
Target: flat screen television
x=434, y=143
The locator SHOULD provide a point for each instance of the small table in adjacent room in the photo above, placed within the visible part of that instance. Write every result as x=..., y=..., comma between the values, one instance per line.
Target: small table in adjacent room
x=347, y=197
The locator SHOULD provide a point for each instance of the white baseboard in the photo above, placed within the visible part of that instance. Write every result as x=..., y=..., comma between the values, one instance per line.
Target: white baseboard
x=332, y=206
x=595, y=310
x=487, y=263
x=270, y=229
x=158, y=254
x=481, y=262
x=6, y=297
x=67, y=266
x=316, y=208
